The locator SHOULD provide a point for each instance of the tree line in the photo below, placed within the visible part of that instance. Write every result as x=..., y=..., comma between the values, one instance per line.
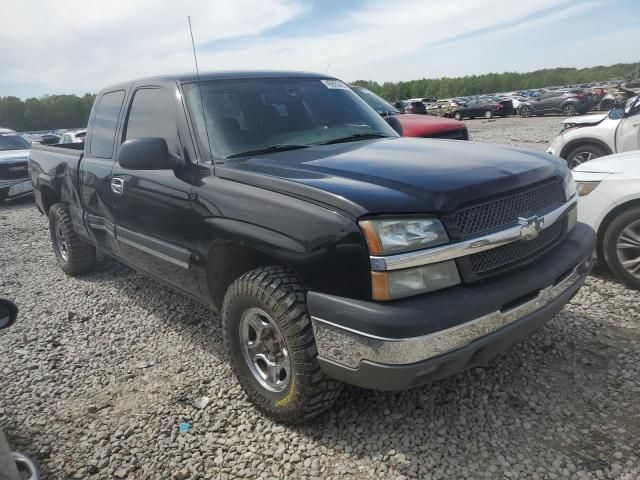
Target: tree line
x=50, y=112
x=447, y=87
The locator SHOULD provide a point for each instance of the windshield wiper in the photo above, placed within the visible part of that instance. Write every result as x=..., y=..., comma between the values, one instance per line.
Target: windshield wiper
x=355, y=137
x=269, y=149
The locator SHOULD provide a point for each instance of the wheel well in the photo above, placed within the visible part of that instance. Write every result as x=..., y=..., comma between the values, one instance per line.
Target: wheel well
x=49, y=197
x=228, y=261
x=609, y=217
x=575, y=143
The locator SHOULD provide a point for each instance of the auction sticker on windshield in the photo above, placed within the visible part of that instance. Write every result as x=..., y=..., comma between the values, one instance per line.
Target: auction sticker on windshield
x=335, y=84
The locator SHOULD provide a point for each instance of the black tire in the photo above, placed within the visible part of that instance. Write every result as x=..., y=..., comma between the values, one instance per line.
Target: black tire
x=74, y=255
x=569, y=110
x=582, y=154
x=607, y=105
x=278, y=292
x=457, y=116
x=526, y=111
x=488, y=114
x=609, y=247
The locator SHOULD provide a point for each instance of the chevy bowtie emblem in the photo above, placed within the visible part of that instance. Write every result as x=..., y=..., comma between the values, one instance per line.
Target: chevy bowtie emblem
x=531, y=227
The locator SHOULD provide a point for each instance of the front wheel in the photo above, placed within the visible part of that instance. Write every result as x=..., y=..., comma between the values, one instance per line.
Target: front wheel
x=457, y=116
x=569, y=109
x=267, y=329
x=583, y=154
x=488, y=114
x=74, y=255
x=526, y=111
x=621, y=247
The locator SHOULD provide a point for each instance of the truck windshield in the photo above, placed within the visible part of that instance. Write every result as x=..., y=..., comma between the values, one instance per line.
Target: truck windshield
x=378, y=104
x=243, y=117
x=12, y=141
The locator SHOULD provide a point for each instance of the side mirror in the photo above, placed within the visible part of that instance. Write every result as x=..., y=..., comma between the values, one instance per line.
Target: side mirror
x=616, y=113
x=8, y=313
x=395, y=124
x=147, y=154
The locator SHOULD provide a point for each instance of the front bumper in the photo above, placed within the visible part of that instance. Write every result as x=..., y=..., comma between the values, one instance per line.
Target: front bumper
x=15, y=188
x=556, y=145
x=410, y=342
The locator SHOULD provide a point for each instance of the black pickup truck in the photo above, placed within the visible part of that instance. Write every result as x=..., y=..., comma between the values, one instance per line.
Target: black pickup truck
x=335, y=250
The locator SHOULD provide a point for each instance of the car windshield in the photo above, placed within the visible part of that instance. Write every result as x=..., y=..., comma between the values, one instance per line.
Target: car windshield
x=247, y=116
x=380, y=105
x=12, y=141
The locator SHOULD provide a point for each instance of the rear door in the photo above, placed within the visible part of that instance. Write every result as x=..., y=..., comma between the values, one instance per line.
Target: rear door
x=152, y=208
x=628, y=131
x=95, y=168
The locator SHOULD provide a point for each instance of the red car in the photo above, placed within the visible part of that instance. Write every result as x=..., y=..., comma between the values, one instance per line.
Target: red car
x=410, y=125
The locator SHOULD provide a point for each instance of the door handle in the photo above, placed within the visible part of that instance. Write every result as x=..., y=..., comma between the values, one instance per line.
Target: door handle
x=117, y=185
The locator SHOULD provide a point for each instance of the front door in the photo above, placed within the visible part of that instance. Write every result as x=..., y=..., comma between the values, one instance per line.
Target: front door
x=152, y=208
x=628, y=131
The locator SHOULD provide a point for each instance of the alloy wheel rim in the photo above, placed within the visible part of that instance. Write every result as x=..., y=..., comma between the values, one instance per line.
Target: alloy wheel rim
x=580, y=158
x=628, y=248
x=264, y=350
x=487, y=114
x=62, y=243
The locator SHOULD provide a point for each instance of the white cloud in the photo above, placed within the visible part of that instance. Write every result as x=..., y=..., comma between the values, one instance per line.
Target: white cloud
x=82, y=45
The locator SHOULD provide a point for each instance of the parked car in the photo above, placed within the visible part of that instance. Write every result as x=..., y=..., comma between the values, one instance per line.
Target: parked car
x=73, y=136
x=480, y=107
x=336, y=250
x=409, y=125
x=14, y=163
x=556, y=101
x=591, y=136
x=406, y=106
x=609, y=189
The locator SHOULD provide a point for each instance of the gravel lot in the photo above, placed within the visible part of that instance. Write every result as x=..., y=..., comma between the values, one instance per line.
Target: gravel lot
x=100, y=371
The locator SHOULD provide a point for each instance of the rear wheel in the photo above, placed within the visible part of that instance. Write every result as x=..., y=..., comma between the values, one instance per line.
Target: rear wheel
x=621, y=247
x=270, y=341
x=607, y=105
x=569, y=109
x=488, y=114
x=583, y=154
x=457, y=116
x=74, y=255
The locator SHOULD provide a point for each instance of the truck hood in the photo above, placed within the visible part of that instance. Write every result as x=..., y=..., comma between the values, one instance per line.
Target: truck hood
x=593, y=119
x=13, y=155
x=412, y=125
x=395, y=175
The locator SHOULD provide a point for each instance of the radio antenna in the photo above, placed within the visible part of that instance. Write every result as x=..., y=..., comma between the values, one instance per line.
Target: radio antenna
x=193, y=45
x=199, y=86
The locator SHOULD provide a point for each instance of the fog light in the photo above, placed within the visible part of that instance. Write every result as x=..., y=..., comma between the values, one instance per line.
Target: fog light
x=396, y=284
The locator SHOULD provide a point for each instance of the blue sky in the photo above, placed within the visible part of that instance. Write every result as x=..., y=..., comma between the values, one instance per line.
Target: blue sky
x=360, y=39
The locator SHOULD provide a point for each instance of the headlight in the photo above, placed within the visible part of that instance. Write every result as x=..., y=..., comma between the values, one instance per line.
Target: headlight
x=585, y=188
x=388, y=236
x=396, y=284
x=569, y=185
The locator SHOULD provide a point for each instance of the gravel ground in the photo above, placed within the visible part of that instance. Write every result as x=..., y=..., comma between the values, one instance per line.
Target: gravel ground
x=100, y=371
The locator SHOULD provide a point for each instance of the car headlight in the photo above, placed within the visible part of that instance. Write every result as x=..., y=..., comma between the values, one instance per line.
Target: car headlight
x=408, y=282
x=585, y=188
x=569, y=185
x=388, y=236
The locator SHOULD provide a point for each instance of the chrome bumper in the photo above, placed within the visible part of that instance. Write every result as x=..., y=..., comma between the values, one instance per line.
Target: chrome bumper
x=349, y=348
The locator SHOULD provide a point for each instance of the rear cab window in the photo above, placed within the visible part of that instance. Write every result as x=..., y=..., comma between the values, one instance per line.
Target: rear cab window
x=105, y=122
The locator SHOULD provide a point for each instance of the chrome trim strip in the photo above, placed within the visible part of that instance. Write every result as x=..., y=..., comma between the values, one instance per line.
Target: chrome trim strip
x=468, y=247
x=349, y=347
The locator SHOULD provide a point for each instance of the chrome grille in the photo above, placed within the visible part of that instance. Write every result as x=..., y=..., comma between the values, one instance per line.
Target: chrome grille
x=485, y=262
x=498, y=214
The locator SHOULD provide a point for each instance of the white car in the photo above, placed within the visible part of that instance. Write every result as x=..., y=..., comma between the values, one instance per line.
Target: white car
x=609, y=190
x=591, y=136
x=73, y=136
